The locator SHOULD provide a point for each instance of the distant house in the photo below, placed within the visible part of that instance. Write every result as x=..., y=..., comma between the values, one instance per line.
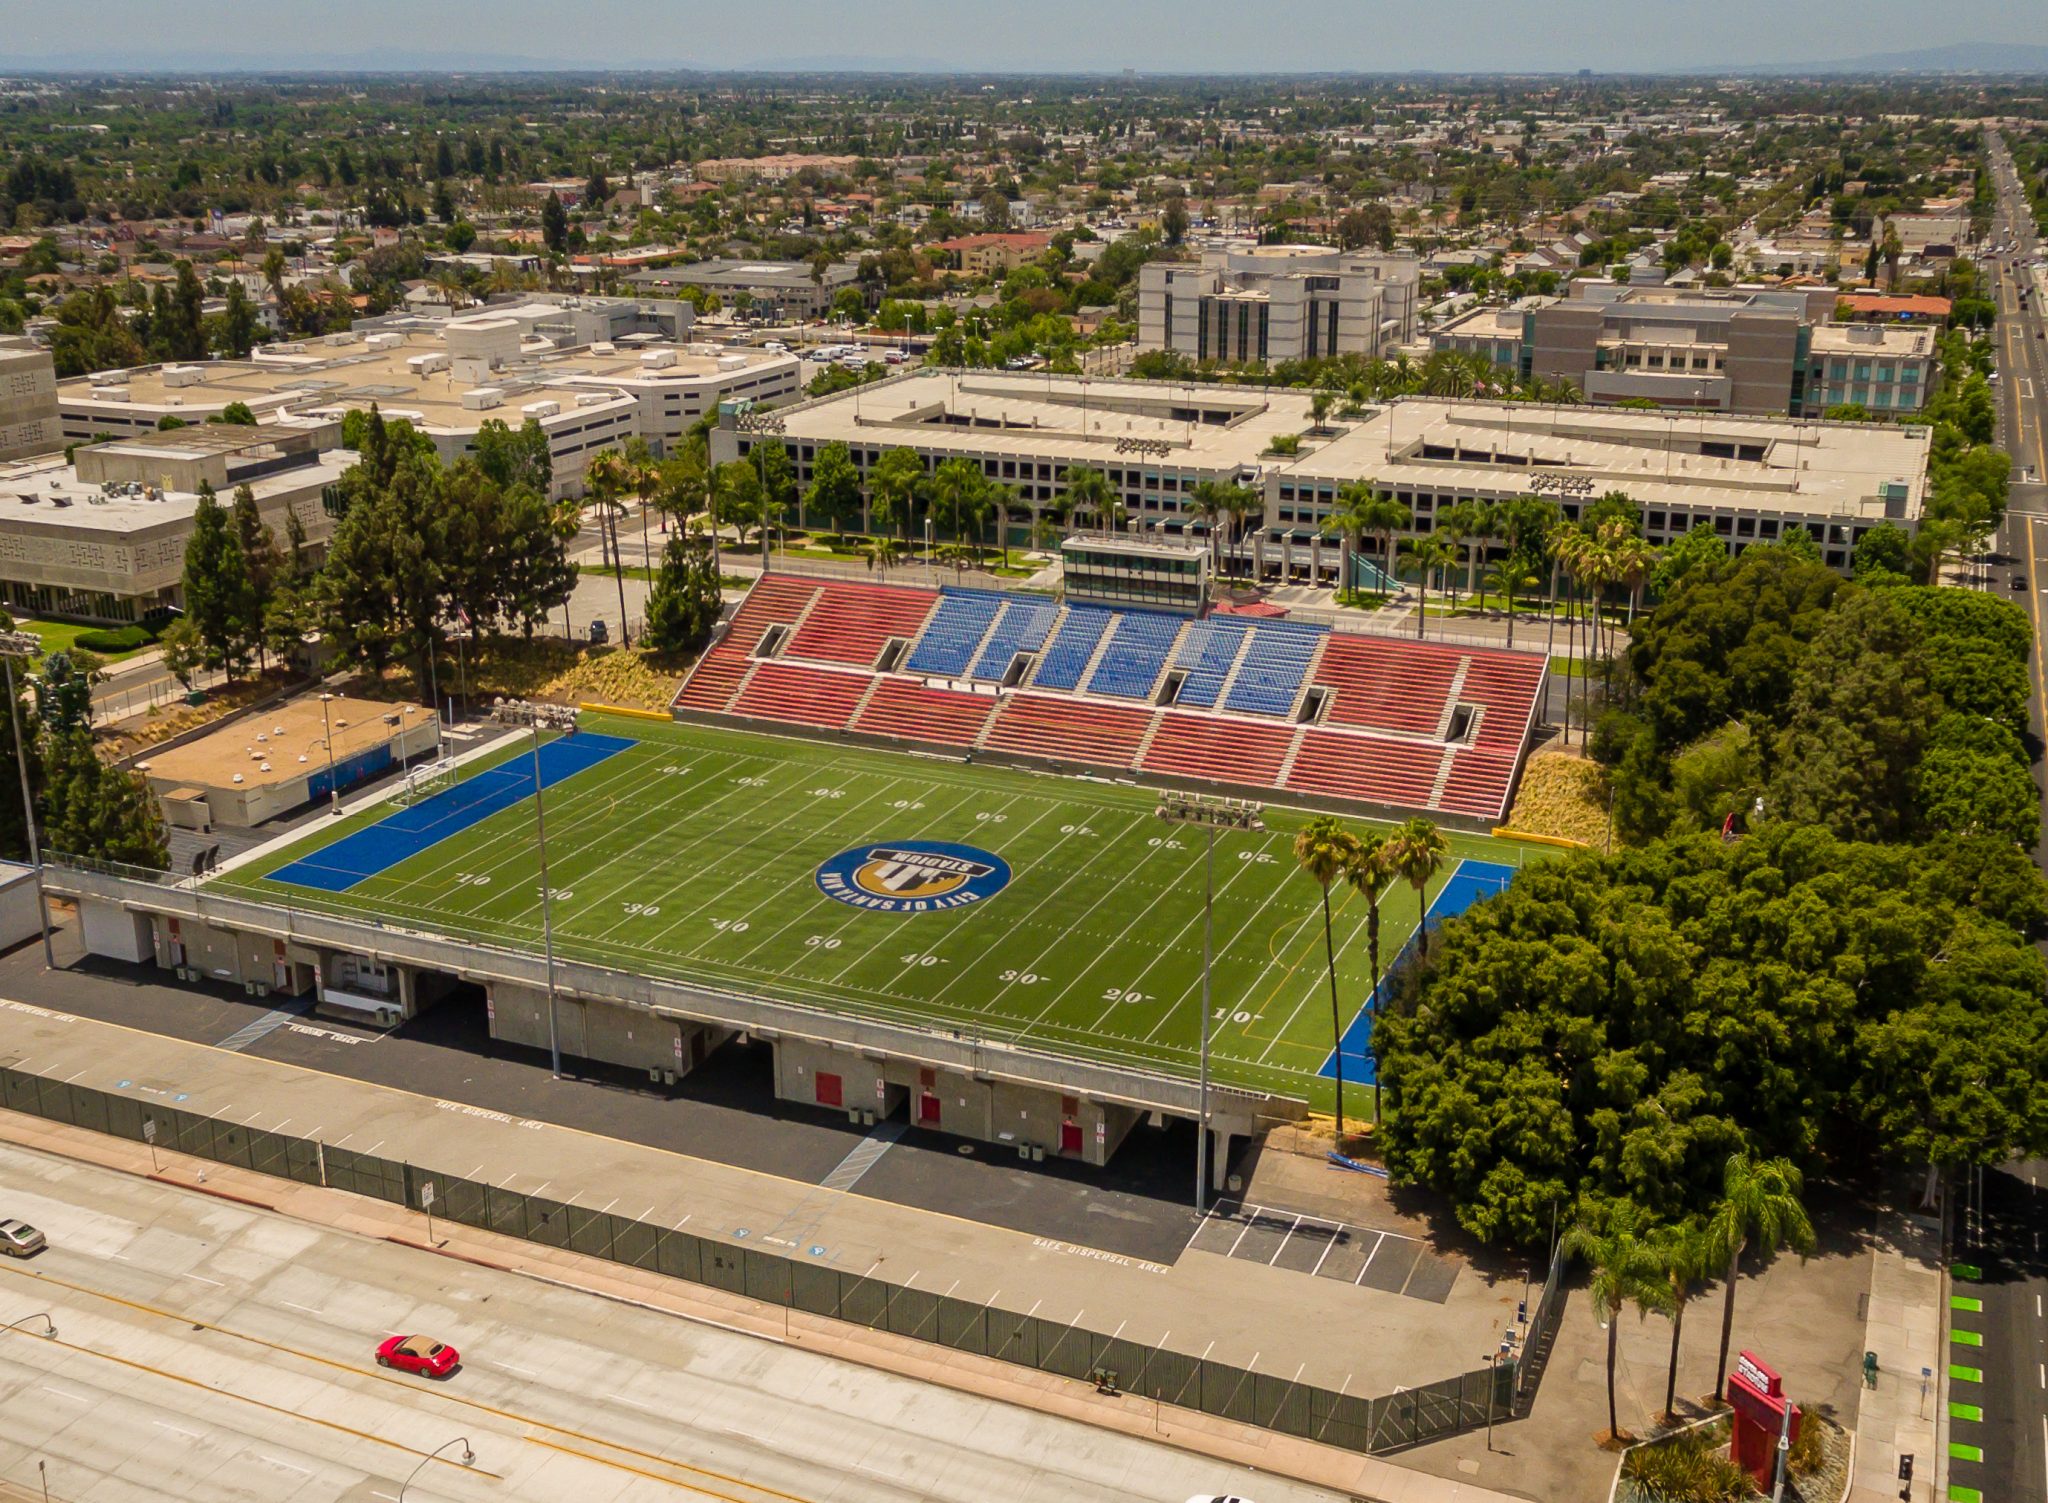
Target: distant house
x=992, y=254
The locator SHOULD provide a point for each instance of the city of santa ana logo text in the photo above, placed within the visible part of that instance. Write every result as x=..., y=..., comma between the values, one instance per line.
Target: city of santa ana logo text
x=913, y=876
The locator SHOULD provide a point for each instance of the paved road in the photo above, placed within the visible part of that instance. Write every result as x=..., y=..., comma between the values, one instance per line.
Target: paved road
x=1998, y=1429
x=208, y=1351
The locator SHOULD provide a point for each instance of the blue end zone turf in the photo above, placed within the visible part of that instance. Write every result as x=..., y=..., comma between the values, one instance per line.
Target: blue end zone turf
x=400, y=836
x=1470, y=881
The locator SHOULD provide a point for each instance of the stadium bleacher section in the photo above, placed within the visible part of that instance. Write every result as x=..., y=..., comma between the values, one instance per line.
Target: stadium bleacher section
x=1379, y=730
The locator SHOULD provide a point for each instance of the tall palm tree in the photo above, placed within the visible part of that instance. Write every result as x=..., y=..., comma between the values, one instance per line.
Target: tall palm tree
x=1416, y=852
x=1510, y=577
x=1569, y=550
x=1759, y=1207
x=1089, y=493
x=1370, y=873
x=1687, y=1255
x=607, y=477
x=1428, y=554
x=1625, y=1272
x=1325, y=849
x=1362, y=510
x=1471, y=522
x=1207, y=503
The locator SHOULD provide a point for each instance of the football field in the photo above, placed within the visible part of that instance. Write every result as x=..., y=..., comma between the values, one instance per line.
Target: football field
x=1059, y=913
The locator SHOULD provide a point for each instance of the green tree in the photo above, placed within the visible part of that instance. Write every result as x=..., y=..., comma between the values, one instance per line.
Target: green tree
x=895, y=481
x=737, y=499
x=1325, y=850
x=1427, y=555
x=515, y=456
x=834, y=493
x=1513, y=577
x=684, y=605
x=1881, y=551
x=64, y=696
x=234, y=333
x=1370, y=871
x=262, y=565
x=554, y=225
x=95, y=810
x=382, y=593
x=1624, y=1271
x=1760, y=1207
x=1090, y=495
x=1685, y=1254
x=219, y=597
x=1416, y=852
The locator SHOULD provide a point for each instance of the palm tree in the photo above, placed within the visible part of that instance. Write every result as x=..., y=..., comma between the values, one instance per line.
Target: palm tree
x=1625, y=1272
x=607, y=477
x=1370, y=873
x=1379, y=514
x=1687, y=1255
x=1206, y=501
x=1416, y=852
x=1510, y=577
x=1325, y=850
x=1319, y=405
x=1759, y=1205
x=1470, y=520
x=1570, y=549
x=1089, y=493
x=1350, y=521
x=1428, y=553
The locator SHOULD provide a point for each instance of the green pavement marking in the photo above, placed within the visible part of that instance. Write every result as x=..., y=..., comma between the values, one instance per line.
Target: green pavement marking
x=1959, y=1452
x=1965, y=1412
x=1965, y=1303
x=1966, y=1338
x=1966, y=1271
x=1965, y=1495
x=1965, y=1374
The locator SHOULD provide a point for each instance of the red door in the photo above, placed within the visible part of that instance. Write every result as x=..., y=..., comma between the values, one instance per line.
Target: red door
x=830, y=1090
x=928, y=1108
x=1070, y=1137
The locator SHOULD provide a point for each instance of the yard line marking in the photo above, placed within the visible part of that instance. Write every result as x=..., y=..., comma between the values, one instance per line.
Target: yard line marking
x=1230, y=946
x=63, y=1393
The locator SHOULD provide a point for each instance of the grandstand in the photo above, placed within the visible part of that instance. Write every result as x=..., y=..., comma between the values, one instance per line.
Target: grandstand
x=1272, y=706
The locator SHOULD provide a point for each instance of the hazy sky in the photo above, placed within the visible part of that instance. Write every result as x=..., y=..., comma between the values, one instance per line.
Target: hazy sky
x=1150, y=35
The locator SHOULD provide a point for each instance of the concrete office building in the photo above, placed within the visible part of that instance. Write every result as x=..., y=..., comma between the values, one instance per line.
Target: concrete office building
x=779, y=289
x=1278, y=302
x=28, y=399
x=448, y=377
x=1741, y=351
x=103, y=540
x=1749, y=478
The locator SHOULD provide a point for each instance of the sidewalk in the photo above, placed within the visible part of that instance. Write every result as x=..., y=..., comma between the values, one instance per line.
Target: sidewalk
x=1902, y=1414
x=1241, y=1445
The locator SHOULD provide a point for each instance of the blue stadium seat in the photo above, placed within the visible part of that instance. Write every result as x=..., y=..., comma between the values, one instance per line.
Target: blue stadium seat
x=1137, y=652
x=1022, y=627
x=1072, y=646
x=955, y=630
x=1275, y=663
x=1207, y=651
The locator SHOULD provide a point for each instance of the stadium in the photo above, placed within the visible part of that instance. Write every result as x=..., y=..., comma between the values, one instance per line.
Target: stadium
x=911, y=837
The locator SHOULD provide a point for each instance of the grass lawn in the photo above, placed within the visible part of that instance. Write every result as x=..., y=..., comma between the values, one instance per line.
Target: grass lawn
x=695, y=853
x=62, y=636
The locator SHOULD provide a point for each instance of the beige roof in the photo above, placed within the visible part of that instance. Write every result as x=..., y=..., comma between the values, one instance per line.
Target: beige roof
x=278, y=744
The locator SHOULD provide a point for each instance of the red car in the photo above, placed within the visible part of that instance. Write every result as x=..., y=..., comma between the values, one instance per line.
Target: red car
x=419, y=1354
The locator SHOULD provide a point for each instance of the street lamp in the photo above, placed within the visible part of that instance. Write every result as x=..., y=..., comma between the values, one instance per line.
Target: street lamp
x=468, y=1459
x=333, y=776
x=50, y=1326
x=561, y=718
x=1211, y=814
x=27, y=646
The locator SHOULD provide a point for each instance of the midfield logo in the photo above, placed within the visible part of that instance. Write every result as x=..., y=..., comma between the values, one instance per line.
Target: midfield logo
x=913, y=876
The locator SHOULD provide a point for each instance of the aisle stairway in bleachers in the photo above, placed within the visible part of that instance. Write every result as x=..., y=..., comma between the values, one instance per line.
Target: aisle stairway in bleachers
x=1261, y=704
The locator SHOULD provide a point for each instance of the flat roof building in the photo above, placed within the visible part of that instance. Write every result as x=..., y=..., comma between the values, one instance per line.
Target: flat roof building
x=782, y=289
x=1278, y=302
x=448, y=377
x=104, y=539
x=1738, y=351
x=28, y=399
x=1749, y=478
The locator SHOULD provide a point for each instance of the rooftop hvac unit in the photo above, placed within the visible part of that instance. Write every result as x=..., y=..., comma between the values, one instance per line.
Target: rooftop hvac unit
x=541, y=409
x=183, y=375
x=592, y=398
x=384, y=341
x=111, y=393
x=604, y=347
x=422, y=365
x=655, y=360
x=729, y=363
x=336, y=341
x=482, y=398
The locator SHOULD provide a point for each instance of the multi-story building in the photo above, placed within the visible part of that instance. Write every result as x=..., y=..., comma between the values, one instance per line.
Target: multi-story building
x=28, y=399
x=1743, y=350
x=1749, y=478
x=780, y=289
x=449, y=377
x=104, y=539
x=993, y=255
x=1278, y=302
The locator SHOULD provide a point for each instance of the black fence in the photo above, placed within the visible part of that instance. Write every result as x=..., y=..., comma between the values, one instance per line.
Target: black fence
x=1355, y=1423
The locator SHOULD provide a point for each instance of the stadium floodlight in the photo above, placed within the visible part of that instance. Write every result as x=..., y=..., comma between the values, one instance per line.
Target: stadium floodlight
x=27, y=646
x=333, y=778
x=534, y=715
x=1211, y=813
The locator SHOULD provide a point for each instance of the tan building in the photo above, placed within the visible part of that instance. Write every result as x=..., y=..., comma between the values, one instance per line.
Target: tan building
x=104, y=540
x=993, y=255
x=1278, y=302
x=28, y=400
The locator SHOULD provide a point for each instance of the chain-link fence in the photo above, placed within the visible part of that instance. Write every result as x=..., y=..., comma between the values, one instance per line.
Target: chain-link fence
x=1355, y=1423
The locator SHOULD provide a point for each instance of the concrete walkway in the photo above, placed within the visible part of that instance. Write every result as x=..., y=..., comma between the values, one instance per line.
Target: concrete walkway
x=1241, y=1445
x=1903, y=1414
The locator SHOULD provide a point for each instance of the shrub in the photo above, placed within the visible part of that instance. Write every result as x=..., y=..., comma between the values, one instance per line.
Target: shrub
x=1689, y=1468
x=121, y=639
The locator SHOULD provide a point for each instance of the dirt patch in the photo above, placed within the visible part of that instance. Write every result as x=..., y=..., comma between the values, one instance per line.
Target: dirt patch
x=1563, y=795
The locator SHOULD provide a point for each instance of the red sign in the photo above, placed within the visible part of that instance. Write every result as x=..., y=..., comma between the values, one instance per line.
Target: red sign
x=1758, y=1396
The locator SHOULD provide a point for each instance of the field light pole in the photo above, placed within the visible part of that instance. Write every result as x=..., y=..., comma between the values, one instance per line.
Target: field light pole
x=333, y=778
x=533, y=717
x=1210, y=814
x=28, y=646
